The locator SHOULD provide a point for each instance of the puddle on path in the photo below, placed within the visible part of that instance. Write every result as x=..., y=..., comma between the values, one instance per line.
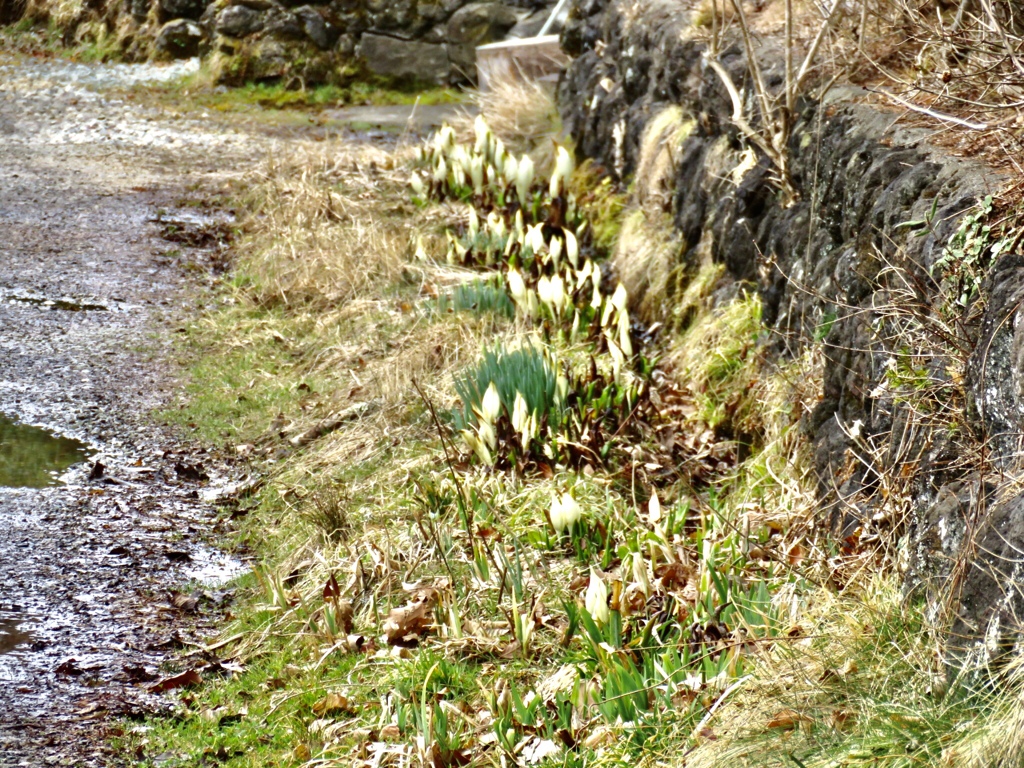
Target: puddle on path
x=31, y=457
x=67, y=305
x=10, y=635
x=213, y=568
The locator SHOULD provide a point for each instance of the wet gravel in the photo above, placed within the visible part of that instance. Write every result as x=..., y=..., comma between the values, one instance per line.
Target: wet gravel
x=89, y=295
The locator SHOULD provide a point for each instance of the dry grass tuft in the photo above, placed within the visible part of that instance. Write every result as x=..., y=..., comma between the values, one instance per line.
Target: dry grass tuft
x=297, y=253
x=523, y=114
x=59, y=13
x=649, y=250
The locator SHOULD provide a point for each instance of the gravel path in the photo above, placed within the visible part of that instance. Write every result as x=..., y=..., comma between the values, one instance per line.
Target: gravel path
x=89, y=569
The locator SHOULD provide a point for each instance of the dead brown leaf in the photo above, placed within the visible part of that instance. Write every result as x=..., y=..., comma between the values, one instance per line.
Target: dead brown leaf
x=332, y=591
x=331, y=703
x=407, y=624
x=673, y=575
x=788, y=719
x=796, y=554
x=191, y=677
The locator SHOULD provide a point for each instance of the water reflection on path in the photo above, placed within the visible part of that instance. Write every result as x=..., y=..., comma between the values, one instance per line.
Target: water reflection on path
x=31, y=457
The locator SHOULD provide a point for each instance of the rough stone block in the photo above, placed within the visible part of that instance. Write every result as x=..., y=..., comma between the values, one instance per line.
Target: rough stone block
x=405, y=59
x=239, y=21
x=179, y=39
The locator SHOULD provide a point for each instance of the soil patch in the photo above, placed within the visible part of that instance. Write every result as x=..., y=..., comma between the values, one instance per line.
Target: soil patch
x=94, y=566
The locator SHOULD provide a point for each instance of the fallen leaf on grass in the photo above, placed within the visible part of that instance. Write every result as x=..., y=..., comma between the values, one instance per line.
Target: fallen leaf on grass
x=407, y=624
x=538, y=750
x=848, y=668
x=673, y=575
x=840, y=719
x=191, y=677
x=185, y=603
x=796, y=554
x=332, y=591
x=333, y=702
x=437, y=757
x=787, y=719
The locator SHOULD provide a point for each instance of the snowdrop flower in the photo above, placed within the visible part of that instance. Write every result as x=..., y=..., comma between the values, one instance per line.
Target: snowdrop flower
x=544, y=292
x=516, y=285
x=654, y=508
x=572, y=248
x=618, y=359
x=487, y=436
x=520, y=413
x=532, y=305
x=459, y=175
x=583, y=274
x=596, y=600
x=511, y=242
x=482, y=133
x=458, y=248
x=535, y=237
x=510, y=170
x=639, y=569
x=524, y=179
x=496, y=224
x=563, y=170
x=477, y=446
x=445, y=138
x=476, y=173
x=490, y=405
x=441, y=171
x=421, y=251
x=624, y=340
x=620, y=297
x=529, y=431
x=557, y=293
x=565, y=512
x=555, y=250
x=561, y=389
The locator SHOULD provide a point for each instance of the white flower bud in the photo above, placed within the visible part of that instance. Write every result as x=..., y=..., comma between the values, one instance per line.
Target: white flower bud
x=476, y=174
x=490, y=405
x=557, y=293
x=482, y=134
x=524, y=179
x=520, y=413
x=624, y=340
x=565, y=512
x=535, y=237
x=555, y=250
x=544, y=292
x=620, y=298
x=654, y=508
x=563, y=170
x=516, y=285
x=572, y=248
x=510, y=171
x=596, y=600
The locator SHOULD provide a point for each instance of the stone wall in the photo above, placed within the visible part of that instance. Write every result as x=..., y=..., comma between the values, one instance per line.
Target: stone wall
x=840, y=261
x=413, y=41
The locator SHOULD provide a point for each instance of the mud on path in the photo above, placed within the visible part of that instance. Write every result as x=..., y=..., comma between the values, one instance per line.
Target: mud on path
x=89, y=569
